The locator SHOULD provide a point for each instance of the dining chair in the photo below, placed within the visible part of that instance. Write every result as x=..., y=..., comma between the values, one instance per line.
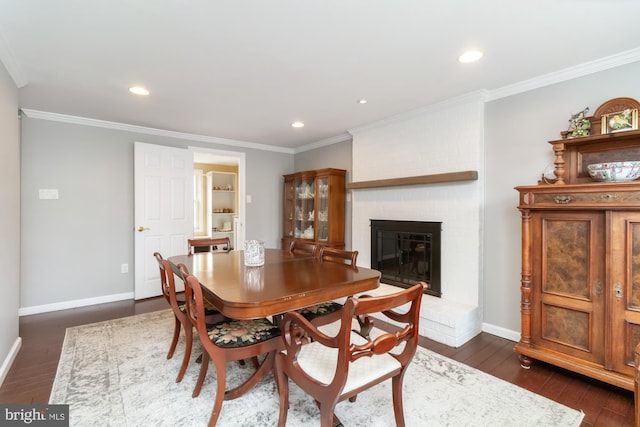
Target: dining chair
x=168, y=287
x=178, y=306
x=226, y=341
x=334, y=368
x=326, y=312
x=209, y=243
x=301, y=247
x=338, y=255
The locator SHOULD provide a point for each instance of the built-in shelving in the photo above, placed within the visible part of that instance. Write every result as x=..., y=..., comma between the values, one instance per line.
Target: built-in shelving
x=223, y=203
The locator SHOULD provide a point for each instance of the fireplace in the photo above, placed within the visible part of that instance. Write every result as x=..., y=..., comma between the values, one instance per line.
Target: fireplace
x=407, y=252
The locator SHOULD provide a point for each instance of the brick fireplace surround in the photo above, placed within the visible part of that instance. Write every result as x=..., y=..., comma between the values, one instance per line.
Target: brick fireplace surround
x=416, y=145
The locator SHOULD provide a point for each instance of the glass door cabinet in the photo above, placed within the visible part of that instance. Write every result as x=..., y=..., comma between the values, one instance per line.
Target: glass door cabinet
x=314, y=207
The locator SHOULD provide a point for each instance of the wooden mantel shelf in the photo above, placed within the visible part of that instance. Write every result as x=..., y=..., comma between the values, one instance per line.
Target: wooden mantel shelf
x=415, y=180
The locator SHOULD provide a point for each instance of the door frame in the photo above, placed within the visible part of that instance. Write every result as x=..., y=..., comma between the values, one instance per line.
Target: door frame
x=242, y=199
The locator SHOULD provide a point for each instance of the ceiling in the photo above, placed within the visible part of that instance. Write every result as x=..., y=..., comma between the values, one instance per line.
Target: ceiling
x=244, y=70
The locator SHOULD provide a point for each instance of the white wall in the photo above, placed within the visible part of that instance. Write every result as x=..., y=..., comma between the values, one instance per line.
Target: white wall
x=82, y=238
x=9, y=221
x=446, y=138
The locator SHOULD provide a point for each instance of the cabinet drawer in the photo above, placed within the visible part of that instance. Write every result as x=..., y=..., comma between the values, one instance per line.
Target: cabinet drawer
x=598, y=199
x=588, y=198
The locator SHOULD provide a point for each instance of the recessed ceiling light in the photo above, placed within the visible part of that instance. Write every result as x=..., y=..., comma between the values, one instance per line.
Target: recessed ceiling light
x=139, y=90
x=470, y=56
x=362, y=101
x=297, y=125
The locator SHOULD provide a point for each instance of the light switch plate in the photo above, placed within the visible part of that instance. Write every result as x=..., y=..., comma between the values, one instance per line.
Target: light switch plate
x=48, y=193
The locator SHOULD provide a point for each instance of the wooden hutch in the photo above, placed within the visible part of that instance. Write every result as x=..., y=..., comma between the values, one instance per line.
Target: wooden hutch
x=580, y=285
x=314, y=207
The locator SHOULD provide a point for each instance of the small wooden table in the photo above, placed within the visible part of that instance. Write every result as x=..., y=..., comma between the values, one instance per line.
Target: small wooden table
x=284, y=283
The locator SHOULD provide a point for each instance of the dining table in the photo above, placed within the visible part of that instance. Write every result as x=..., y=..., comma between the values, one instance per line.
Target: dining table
x=285, y=282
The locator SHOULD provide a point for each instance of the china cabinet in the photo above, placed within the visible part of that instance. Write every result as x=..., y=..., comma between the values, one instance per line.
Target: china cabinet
x=222, y=203
x=580, y=284
x=314, y=207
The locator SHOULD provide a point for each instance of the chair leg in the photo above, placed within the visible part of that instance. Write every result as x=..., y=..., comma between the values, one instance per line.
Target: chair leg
x=326, y=416
x=398, y=410
x=188, y=331
x=256, y=362
x=176, y=334
x=217, y=406
x=282, y=384
x=201, y=376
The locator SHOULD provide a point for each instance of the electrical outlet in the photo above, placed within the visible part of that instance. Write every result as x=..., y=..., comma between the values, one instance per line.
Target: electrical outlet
x=124, y=268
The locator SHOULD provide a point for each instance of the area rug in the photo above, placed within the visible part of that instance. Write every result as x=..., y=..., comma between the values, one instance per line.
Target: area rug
x=115, y=373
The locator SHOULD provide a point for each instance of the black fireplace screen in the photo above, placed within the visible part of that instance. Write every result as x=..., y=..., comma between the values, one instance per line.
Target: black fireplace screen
x=407, y=252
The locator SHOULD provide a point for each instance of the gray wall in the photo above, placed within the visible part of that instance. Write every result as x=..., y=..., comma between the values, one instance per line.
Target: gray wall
x=336, y=156
x=9, y=217
x=82, y=238
x=517, y=132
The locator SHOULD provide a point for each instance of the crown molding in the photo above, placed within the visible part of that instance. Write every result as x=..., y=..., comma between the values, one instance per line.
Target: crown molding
x=570, y=73
x=323, y=143
x=64, y=118
x=8, y=59
x=468, y=98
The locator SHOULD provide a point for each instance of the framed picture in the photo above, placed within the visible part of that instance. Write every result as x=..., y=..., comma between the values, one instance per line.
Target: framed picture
x=620, y=121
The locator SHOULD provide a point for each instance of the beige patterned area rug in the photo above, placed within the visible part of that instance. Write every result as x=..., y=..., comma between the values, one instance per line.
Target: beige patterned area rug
x=115, y=373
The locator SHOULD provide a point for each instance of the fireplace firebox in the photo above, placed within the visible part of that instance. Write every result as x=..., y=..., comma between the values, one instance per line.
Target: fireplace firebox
x=407, y=252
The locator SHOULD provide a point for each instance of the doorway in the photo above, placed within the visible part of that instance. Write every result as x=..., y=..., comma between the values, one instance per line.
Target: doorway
x=226, y=160
x=163, y=224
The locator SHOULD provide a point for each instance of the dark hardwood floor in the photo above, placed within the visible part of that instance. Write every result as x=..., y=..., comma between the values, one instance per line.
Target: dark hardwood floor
x=31, y=376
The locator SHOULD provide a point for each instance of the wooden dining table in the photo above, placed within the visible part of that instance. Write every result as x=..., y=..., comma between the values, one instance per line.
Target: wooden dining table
x=284, y=283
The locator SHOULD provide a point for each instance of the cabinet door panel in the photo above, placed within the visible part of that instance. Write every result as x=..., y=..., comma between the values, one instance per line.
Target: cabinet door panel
x=566, y=326
x=568, y=273
x=566, y=255
x=625, y=295
x=289, y=208
x=634, y=261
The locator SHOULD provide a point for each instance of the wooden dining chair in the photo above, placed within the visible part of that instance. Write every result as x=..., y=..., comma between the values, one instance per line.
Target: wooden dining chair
x=209, y=243
x=301, y=247
x=178, y=306
x=326, y=312
x=168, y=288
x=334, y=368
x=230, y=340
x=338, y=255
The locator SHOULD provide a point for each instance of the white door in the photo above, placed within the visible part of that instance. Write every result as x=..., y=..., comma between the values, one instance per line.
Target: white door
x=163, y=194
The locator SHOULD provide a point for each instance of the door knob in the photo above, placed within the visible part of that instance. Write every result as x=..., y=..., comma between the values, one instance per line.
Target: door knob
x=141, y=228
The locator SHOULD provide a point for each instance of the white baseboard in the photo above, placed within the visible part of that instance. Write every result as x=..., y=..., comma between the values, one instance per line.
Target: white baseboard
x=8, y=361
x=64, y=305
x=501, y=332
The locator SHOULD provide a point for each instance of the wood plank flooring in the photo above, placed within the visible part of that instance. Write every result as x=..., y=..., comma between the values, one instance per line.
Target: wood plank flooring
x=31, y=377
